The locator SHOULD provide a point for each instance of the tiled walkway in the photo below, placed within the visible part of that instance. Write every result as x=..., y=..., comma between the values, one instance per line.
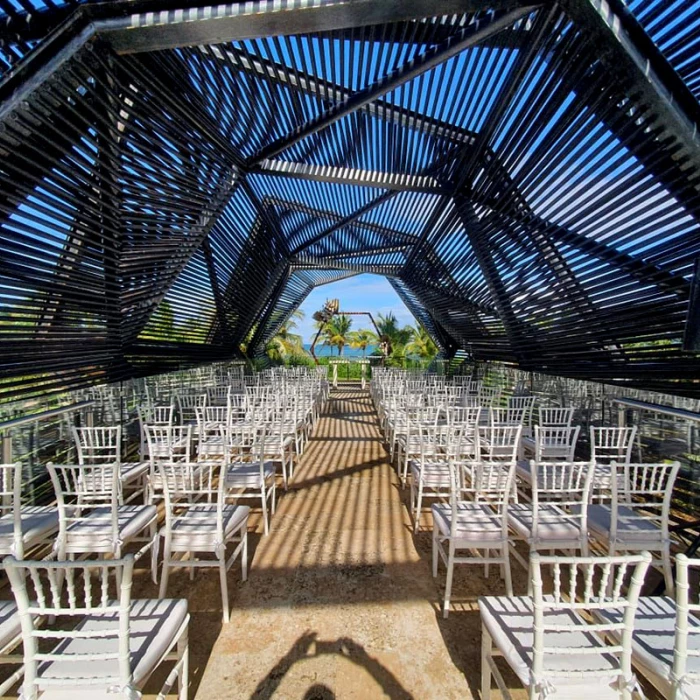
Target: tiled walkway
x=339, y=603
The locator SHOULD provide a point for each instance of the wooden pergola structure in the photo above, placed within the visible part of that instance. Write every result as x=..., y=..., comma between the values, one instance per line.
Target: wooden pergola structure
x=175, y=180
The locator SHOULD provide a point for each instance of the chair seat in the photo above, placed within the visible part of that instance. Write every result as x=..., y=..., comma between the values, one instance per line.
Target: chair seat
x=247, y=474
x=209, y=446
x=132, y=471
x=195, y=529
x=631, y=529
x=476, y=525
x=153, y=628
x=37, y=522
x=94, y=531
x=510, y=622
x=652, y=643
x=553, y=524
x=433, y=474
x=522, y=470
x=274, y=446
x=10, y=627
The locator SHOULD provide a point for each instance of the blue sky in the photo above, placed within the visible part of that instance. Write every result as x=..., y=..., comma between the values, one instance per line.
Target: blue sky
x=360, y=293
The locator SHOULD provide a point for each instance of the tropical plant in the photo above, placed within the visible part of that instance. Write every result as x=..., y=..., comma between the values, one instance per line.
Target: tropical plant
x=286, y=344
x=390, y=332
x=337, y=331
x=422, y=345
x=362, y=339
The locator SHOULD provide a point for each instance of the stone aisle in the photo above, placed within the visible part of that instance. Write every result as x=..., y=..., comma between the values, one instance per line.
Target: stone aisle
x=339, y=604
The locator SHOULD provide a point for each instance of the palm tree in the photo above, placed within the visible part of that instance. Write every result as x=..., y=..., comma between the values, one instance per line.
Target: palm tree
x=362, y=339
x=422, y=345
x=337, y=331
x=387, y=325
x=389, y=332
x=286, y=344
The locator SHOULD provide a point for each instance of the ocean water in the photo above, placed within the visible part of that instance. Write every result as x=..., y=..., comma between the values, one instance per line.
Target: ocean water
x=327, y=351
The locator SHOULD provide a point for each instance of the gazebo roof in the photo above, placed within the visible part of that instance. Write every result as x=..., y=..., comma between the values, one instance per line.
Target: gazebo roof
x=174, y=182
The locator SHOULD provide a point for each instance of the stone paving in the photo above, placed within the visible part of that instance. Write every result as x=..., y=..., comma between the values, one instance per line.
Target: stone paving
x=340, y=603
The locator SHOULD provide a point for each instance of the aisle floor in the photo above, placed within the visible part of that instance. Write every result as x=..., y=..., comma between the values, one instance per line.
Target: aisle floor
x=340, y=603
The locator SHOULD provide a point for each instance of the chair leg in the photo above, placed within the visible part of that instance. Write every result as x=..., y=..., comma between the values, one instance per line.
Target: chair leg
x=435, y=551
x=419, y=503
x=165, y=572
x=224, y=585
x=668, y=571
x=153, y=533
x=284, y=470
x=486, y=646
x=183, y=649
x=506, y=569
x=448, y=581
x=244, y=553
x=266, y=527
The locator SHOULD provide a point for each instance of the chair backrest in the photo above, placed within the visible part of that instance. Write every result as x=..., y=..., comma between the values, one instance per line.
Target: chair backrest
x=435, y=442
x=187, y=485
x=101, y=445
x=218, y=395
x=487, y=482
x=160, y=414
x=506, y=416
x=169, y=442
x=554, y=416
x=469, y=401
x=555, y=443
x=524, y=403
x=557, y=616
x=211, y=418
x=645, y=492
x=464, y=415
x=500, y=442
x=83, y=486
x=187, y=404
x=687, y=612
x=43, y=608
x=490, y=396
x=10, y=503
x=612, y=444
x=565, y=484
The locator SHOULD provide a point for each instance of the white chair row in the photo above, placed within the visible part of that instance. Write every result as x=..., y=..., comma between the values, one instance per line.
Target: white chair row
x=481, y=516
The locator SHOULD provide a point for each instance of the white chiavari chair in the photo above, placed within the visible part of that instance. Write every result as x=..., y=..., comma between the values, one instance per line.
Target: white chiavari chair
x=548, y=641
x=199, y=524
x=102, y=644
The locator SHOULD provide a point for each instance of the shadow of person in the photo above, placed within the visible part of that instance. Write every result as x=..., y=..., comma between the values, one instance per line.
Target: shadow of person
x=319, y=691
x=308, y=646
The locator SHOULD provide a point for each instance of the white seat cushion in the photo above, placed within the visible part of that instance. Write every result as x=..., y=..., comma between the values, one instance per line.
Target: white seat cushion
x=522, y=470
x=553, y=524
x=477, y=524
x=38, y=523
x=195, y=529
x=10, y=627
x=434, y=474
x=247, y=474
x=631, y=529
x=132, y=471
x=94, y=532
x=528, y=443
x=153, y=628
x=510, y=622
x=652, y=645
